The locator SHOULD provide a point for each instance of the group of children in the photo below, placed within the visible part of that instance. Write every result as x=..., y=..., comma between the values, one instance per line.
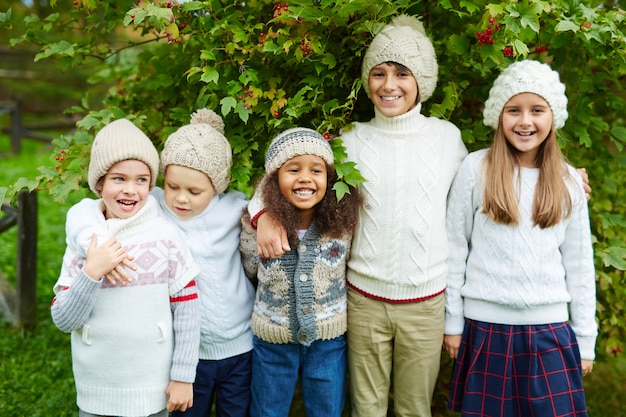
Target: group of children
x=179, y=299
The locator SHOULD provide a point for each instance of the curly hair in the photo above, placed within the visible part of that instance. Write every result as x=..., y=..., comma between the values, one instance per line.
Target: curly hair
x=333, y=218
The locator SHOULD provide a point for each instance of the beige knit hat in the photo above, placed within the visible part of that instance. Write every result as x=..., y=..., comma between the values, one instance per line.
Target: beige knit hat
x=526, y=76
x=201, y=145
x=119, y=141
x=404, y=41
x=295, y=142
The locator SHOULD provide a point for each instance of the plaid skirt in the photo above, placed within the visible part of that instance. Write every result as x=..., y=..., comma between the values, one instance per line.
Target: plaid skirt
x=518, y=371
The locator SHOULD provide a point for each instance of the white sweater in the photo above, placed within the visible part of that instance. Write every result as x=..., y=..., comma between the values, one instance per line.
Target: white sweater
x=226, y=294
x=399, y=250
x=519, y=274
x=129, y=341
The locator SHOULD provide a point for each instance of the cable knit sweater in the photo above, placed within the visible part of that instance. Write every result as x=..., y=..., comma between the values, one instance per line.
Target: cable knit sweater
x=519, y=275
x=128, y=342
x=399, y=251
x=226, y=294
x=301, y=296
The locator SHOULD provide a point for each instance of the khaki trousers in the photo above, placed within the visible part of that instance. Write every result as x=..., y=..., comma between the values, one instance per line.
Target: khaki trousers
x=399, y=340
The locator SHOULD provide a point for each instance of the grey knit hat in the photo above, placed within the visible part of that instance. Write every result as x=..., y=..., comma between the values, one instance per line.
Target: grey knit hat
x=201, y=145
x=404, y=41
x=295, y=142
x=526, y=76
x=119, y=141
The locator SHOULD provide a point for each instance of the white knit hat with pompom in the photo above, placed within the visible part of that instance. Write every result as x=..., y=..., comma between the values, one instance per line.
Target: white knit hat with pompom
x=201, y=145
x=526, y=76
x=405, y=42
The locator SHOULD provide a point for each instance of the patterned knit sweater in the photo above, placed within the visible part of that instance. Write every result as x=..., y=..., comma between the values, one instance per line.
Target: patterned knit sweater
x=301, y=296
x=524, y=274
x=128, y=342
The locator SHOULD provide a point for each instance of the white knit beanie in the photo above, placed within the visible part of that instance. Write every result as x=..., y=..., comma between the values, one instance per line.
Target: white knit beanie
x=526, y=76
x=201, y=145
x=404, y=41
x=119, y=141
x=295, y=142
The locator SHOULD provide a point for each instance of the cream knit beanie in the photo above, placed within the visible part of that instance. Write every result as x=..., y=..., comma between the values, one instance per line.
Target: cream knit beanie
x=526, y=76
x=201, y=145
x=295, y=142
x=119, y=141
x=404, y=41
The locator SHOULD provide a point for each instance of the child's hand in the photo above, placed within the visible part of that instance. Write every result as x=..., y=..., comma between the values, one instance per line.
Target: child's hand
x=119, y=274
x=103, y=259
x=180, y=396
x=583, y=173
x=587, y=365
x=271, y=237
x=451, y=344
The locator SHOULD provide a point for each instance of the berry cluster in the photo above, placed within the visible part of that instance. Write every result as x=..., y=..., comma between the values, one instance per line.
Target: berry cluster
x=328, y=136
x=242, y=96
x=279, y=9
x=508, y=51
x=262, y=38
x=60, y=158
x=305, y=48
x=541, y=48
x=486, y=36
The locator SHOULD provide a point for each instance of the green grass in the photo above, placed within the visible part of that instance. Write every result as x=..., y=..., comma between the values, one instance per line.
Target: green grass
x=35, y=367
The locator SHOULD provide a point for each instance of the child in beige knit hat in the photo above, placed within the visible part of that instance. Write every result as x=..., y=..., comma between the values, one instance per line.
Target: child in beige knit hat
x=134, y=342
x=196, y=161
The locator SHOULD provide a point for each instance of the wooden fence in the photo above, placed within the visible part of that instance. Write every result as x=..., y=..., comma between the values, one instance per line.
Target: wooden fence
x=18, y=303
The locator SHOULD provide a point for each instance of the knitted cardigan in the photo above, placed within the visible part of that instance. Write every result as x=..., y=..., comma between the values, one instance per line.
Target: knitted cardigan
x=400, y=250
x=301, y=296
x=128, y=342
x=519, y=274
x=226, y=294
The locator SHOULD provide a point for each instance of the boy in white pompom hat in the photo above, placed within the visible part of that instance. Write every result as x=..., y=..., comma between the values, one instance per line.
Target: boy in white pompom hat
x=196, y=161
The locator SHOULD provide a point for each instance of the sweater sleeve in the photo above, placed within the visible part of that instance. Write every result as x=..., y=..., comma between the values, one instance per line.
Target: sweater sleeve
x=72, y=305
x=459, y=224
x=577, y=255
x=186, y=326
x=248, y=249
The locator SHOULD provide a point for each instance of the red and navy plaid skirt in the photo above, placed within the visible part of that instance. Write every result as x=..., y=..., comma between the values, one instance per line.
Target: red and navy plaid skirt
x=518, y=371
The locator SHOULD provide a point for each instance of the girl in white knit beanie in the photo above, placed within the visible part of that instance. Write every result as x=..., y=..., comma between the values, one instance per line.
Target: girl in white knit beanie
x=520, y=301
x=134, y=341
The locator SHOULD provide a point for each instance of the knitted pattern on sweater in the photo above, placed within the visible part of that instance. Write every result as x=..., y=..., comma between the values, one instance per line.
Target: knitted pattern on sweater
x=301, y=296
x=399, y=251
x=129, y=341
x=519, y=274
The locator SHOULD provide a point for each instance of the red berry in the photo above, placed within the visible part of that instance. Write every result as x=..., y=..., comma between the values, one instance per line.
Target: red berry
x=132, y=16
x=275, y=114
x=57, y=167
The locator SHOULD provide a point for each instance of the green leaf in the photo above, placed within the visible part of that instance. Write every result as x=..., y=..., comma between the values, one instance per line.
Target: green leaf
x=5, y=18
x=566, y=25
x=60, y=48
x=209, y=74
x=193, y=5
x=227, y=104
x=341, y=189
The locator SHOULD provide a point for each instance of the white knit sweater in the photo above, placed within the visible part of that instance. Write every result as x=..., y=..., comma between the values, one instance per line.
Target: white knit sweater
x=128, y=342
x=519, y=275
x=226, y=294
x=399, y=250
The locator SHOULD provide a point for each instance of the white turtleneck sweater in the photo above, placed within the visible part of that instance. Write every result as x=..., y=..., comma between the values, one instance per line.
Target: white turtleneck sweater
x=400, y=248
x=522, y=274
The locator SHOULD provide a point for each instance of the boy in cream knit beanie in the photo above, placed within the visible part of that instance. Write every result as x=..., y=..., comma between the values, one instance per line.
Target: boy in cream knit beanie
x=118, y=141
x=196, y=161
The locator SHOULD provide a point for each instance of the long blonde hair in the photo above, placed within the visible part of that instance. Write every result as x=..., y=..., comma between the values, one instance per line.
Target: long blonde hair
x=552, y=202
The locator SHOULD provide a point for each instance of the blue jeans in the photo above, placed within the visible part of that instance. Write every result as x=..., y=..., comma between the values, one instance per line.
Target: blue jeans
x=275, y=371
x=226, y=380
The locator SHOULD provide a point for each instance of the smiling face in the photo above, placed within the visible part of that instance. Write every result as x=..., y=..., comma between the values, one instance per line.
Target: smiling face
x=303, y=181
x=393, y=89
x=526, y=123
x=187, y=191
x=124, y=188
